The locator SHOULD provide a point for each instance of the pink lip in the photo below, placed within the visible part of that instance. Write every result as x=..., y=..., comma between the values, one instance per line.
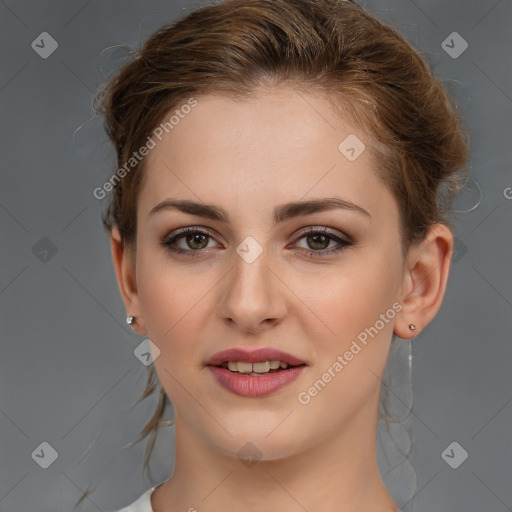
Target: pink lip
x=253, y=356
x=252, y=385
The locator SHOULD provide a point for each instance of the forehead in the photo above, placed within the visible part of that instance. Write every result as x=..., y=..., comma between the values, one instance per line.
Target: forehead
x=280, y=144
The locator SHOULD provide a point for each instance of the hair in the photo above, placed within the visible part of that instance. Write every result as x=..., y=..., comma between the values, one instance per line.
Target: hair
x=369, y=73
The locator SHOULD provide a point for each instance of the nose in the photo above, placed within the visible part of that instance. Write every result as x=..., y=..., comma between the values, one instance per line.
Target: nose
x=253, y=298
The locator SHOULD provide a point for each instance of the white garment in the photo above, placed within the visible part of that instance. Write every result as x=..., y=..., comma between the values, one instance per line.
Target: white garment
x=141, y=504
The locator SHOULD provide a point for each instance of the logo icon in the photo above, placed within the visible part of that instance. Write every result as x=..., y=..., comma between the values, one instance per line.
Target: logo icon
x=454, y=455
x=45, y=455
x=44, y=45
x=146, y=352
x=454, y=45
x=44, y=250
x=249, y=454
x=249, y=249
x=351, y=147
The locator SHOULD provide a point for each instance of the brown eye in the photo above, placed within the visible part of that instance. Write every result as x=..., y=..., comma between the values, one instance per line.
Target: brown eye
x=194, y=241
x=199, y=239
x=318, y=241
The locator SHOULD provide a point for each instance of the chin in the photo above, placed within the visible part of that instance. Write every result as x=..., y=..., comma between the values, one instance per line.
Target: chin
x=256, y=441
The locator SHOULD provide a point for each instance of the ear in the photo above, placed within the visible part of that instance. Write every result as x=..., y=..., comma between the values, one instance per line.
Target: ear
x=124, y=265
x=426, y=274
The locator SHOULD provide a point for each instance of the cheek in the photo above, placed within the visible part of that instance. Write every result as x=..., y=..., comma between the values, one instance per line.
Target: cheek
x=359, y=307
x=351, y=297
x=176, y=304
x=172, y=308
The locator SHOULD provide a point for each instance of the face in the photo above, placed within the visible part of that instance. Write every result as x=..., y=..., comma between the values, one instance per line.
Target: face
x=320, y=285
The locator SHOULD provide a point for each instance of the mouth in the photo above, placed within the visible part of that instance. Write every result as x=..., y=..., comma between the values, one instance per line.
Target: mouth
x=255, y=373
x=265, y=359
x=256, y=369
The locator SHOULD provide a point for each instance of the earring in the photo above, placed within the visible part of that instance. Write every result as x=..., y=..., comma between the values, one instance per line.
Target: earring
x=412, y=327
x=130, y=320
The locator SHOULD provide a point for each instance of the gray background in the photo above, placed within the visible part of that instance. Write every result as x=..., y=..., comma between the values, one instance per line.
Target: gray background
x=68, y=372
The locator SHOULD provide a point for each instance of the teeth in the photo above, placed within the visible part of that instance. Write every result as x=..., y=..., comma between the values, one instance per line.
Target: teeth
x=244, y=367
x=261, y=367
x=232, y=366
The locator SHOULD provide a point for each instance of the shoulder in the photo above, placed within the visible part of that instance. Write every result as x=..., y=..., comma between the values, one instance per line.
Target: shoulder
x=141, y=504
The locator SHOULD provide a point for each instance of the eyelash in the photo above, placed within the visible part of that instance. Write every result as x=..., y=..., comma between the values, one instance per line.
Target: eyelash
x=169, y=240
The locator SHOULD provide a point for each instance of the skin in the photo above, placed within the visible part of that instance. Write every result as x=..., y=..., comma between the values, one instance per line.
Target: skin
x=247, y=157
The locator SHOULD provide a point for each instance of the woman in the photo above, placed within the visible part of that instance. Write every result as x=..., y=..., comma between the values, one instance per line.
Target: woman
x=279, y=214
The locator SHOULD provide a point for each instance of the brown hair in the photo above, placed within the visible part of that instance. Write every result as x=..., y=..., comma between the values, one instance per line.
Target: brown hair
x=366, y=69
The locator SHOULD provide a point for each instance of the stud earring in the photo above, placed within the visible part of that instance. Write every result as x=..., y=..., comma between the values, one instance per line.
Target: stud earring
x=130, y=320
x=412, y=327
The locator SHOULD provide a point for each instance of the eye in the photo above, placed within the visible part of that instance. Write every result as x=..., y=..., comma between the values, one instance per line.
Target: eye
x=195, y=240
x=319, y=240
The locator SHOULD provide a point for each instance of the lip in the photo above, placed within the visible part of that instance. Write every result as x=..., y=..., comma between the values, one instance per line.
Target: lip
x=254, y=386
x=253, y=356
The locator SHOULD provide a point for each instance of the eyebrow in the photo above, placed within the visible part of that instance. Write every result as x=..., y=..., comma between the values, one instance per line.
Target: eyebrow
x=281, y=212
